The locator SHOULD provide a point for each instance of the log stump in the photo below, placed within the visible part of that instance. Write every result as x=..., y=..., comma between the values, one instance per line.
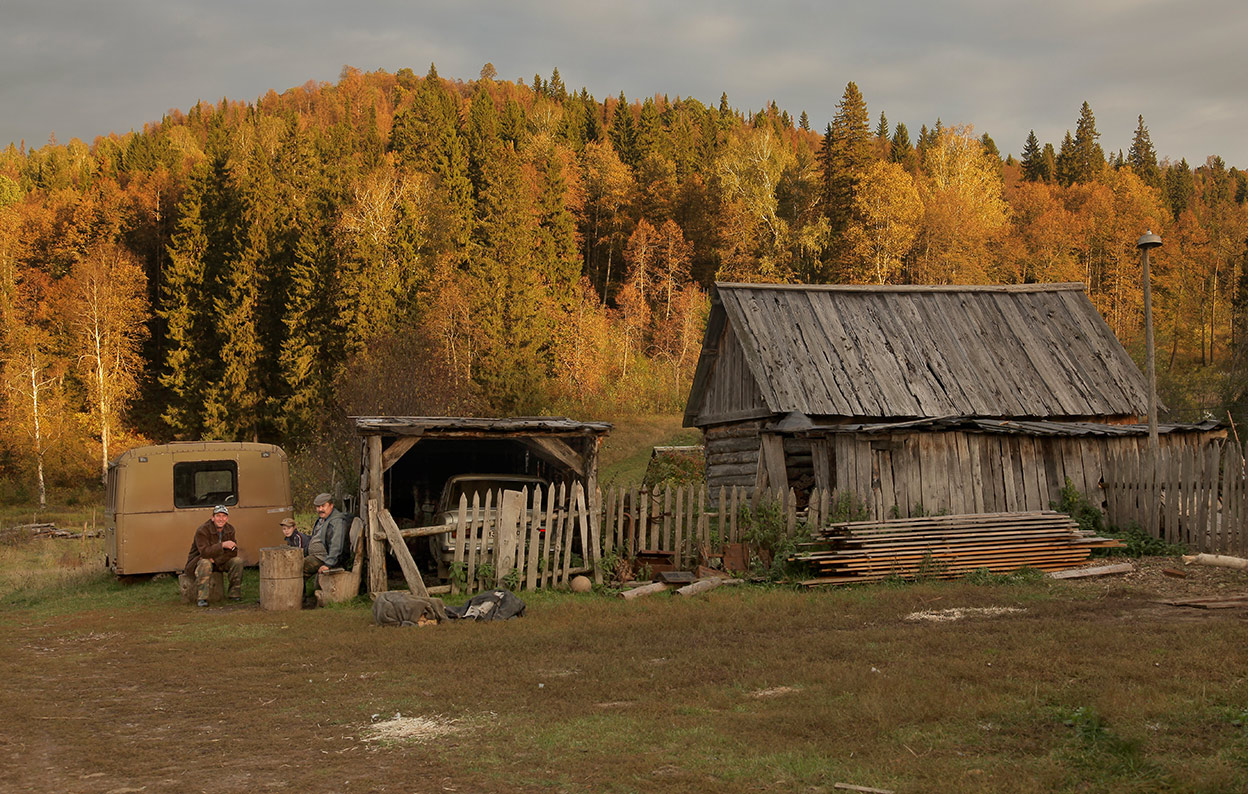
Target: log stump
x=281, y=578
x=189, y=592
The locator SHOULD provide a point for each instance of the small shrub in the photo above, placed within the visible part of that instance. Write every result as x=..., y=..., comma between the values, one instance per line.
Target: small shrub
x=765, y=528
x=512, y=579
x=1074, y=504
x=485, y=572
x=1141, y=544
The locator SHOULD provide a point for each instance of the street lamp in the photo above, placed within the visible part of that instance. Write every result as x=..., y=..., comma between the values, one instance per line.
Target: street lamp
x=1150, y=240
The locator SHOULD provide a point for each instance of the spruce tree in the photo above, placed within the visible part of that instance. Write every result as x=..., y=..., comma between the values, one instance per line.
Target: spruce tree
x=804, y=122
x=482, y=135
x=900, y=149
x=623, y=133
x=1033, y=163
x=1179, y=188
x=848, y=153
x=1142, y=157
x=1088, y=159
x=1048, y=167
x=1067, y=170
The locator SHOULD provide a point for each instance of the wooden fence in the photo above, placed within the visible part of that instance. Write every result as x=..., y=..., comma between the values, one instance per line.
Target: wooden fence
x=535, y=540
x=1197, y=497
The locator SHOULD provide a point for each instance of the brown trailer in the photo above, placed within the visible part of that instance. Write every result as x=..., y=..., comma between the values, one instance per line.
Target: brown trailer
x=158, y=495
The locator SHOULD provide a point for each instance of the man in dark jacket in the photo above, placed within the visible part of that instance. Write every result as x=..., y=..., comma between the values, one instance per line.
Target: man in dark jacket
x=214, y=549
x=328, y=546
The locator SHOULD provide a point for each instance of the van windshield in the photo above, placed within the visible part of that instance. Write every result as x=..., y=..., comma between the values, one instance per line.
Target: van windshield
x=204, y=483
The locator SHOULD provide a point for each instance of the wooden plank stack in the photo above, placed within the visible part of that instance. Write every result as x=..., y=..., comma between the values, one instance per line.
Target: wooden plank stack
x=946, y=547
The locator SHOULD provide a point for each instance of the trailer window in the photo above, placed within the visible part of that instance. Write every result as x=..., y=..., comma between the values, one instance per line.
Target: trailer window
x=204, y=483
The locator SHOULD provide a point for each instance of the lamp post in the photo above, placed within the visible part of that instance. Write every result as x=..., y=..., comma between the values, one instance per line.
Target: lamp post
x=1150, y=240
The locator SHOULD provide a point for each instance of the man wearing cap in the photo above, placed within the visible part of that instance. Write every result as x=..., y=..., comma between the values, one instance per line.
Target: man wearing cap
x=328, y=544
x=294, y=538
x=214, y=549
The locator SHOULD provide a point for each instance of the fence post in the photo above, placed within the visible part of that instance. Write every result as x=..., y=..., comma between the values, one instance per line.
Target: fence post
x=595, y=534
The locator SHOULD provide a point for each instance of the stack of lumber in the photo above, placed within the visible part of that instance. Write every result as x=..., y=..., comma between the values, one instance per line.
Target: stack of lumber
x=946, y=547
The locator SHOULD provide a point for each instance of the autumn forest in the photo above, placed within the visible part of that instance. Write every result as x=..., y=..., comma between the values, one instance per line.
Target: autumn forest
x=414, y=245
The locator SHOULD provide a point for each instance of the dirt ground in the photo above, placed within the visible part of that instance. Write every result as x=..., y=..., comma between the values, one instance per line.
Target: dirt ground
x=1167, y=578
x=118, y=699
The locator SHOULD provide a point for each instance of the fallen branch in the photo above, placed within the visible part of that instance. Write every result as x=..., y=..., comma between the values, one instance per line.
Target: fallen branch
x=1220, y=560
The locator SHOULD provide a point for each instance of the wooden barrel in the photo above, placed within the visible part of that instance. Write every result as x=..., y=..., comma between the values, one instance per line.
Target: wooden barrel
x=281, y=578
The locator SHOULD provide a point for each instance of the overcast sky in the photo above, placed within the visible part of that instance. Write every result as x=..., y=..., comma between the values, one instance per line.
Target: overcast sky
x=87, y=68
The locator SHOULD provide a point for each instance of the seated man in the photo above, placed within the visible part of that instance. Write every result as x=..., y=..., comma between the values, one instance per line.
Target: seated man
x=294, y=538
x=214, y=549
x=327, y=547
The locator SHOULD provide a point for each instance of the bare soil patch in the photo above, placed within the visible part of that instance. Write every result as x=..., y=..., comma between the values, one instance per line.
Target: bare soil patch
x=1092, y=685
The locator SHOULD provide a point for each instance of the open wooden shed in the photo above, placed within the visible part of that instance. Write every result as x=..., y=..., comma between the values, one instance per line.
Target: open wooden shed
x=406, y=460
x=917, y=398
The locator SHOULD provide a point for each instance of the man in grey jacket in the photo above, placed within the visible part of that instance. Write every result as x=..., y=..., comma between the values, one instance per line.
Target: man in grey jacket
x=328, y=546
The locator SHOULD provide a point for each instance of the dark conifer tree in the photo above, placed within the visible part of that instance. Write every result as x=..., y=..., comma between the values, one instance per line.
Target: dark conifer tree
x=1033, y=163
x=1067, y=169
x=1179, y=187
x=1088, y=159
x=849, y=153
x=623, y=133
x=1142, y=157
x=1048, y=162
x=900, y=149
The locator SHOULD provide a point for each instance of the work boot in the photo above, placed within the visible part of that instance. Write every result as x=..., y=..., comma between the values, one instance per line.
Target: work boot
x=203, y=602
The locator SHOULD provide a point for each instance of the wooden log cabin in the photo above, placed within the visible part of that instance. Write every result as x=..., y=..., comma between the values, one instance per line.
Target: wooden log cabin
x=917, y=399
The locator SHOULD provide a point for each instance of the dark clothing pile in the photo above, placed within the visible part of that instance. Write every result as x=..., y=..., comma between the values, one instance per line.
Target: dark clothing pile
x=401, y=608
x=498, y=604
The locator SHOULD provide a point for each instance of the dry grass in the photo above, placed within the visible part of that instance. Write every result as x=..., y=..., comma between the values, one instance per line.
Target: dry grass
x=626, y=451
x=1088, y=688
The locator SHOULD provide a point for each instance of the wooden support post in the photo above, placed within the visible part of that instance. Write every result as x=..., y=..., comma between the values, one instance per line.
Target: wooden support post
x=506, y=534
x=376, y=502
x=411, y=573
x=595, y=534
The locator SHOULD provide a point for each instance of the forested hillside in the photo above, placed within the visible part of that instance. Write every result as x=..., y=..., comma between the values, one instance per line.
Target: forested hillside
x=403, y=244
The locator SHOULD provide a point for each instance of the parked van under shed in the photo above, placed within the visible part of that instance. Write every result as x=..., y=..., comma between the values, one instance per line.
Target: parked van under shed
x=157, y=496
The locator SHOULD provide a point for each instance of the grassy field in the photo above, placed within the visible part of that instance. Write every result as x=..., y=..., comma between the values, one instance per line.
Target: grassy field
x=1040, y=686
x=1051, y=687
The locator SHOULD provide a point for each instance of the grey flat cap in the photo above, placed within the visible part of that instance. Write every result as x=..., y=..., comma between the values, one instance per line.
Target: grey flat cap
x=322, y=498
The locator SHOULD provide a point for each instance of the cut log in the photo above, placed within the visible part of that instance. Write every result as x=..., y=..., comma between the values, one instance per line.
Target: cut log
x=1220, y=560
x=700, y=586
x=1100, y=570
x=644, y=590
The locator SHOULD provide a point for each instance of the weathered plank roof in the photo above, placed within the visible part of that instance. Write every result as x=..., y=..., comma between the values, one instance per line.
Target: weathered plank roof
x=800, y=425
x=476, y=426
x=893, y=352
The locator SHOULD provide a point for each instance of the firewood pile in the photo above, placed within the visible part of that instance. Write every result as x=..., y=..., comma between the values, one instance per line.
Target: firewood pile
x=946, y=547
